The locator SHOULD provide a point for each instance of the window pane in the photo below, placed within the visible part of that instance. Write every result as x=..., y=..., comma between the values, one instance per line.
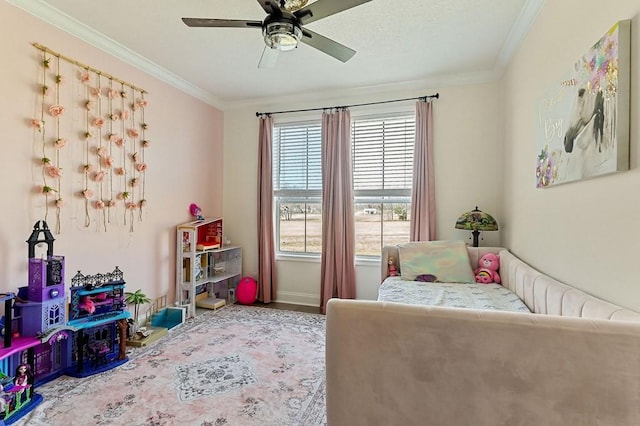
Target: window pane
x=377, y=225
x=300, y=226
x=368, y=229
x=396, y=223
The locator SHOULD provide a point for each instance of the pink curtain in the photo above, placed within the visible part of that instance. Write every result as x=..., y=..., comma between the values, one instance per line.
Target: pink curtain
x=423, y=194
x=267, y=283
x=338, y=273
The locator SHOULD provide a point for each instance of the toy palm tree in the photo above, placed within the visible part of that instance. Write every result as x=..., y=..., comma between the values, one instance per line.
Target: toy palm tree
x=136, y=299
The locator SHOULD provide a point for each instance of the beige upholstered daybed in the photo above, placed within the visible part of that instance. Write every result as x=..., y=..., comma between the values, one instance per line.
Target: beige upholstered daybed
x=575, y=360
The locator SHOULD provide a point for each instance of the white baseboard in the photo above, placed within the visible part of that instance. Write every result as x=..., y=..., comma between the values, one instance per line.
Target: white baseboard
x=293, y=298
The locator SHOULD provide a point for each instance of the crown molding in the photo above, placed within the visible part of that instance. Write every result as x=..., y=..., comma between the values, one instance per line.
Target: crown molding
x=518, y=32
x=70, y=25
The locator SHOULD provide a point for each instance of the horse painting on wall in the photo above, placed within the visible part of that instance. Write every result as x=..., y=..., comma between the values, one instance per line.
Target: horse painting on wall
x=583, y=121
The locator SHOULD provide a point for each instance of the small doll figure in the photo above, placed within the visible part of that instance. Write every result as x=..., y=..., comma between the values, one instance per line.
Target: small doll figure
x=23, y=379
x=196, y=211
x=393, y=271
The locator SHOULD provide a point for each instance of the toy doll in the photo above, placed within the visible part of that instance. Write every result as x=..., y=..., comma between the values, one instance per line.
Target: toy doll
x=393, y=271
x=23, y=379
x=196, y=211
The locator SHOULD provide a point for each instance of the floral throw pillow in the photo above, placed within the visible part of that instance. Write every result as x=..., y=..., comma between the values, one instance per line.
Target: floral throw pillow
x=448, y=261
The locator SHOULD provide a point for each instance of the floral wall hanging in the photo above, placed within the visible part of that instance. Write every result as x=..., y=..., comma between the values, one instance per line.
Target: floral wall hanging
x=90, y=138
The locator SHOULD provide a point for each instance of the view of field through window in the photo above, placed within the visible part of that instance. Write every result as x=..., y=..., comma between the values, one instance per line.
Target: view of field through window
x=301, y=228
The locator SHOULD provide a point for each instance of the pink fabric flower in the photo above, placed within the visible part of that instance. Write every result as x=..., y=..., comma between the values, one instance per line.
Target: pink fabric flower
x=59, y=203
x=56, y=110
x=142, y=103
x=114, y=117
x=102, y=151
x=131, y=206
x=111, y=203
x=54, y=171
x=99, y=176
x=37, y=124
x=119, y=142
x=108, y=162
x=141, y=167
x=119, y=171
x=124, y=115
x=98, y=122
x=87, y=193
x=84, y=77
x=96, y=91
x=132, y=133
x=99, y=204
x=60, y=143
x=113, y=94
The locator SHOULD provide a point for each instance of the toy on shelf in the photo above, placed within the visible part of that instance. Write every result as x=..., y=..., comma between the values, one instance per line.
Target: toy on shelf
x=196, y=211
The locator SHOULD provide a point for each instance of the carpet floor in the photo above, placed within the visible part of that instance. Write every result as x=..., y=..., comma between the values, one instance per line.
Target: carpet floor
x=239, y=365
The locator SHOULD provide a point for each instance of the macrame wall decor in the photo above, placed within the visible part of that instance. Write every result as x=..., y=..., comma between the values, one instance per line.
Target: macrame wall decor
x=90, y=137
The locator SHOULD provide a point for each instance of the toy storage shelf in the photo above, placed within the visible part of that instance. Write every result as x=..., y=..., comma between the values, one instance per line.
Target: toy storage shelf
x=205, y=265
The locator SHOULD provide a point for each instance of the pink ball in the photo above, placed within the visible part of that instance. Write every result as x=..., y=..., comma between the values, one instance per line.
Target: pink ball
x=247, y=291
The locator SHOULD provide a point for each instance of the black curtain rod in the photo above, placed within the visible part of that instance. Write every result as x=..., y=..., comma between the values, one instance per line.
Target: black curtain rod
x=437, y=96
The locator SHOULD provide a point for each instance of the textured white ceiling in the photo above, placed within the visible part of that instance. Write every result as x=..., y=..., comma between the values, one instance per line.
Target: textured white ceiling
x=397, y=41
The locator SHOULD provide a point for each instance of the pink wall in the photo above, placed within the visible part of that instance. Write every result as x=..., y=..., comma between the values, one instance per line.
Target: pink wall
x=184, y=166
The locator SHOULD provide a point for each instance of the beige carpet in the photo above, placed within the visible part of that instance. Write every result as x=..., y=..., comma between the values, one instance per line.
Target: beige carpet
x=239, y=365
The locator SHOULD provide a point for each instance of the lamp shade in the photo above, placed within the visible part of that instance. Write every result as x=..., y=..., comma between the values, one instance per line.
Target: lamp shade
x=476, y=221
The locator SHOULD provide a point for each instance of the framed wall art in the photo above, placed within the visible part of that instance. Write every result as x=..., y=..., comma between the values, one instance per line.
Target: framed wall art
x=582, y=128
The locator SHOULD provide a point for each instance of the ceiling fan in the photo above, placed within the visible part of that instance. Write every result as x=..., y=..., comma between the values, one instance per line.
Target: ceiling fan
x=283, y=27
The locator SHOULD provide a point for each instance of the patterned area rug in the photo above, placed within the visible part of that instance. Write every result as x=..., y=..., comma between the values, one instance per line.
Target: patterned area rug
x=239, y=365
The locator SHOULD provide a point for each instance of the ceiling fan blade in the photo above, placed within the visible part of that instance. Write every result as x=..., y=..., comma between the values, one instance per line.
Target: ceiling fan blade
x=326, y=45
x=268, y=58
x=323, y=8
x=270, y=6
x=232, y=23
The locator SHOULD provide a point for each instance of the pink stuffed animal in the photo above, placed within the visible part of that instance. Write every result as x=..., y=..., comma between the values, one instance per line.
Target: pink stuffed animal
x=487, y=273
x=86, y=304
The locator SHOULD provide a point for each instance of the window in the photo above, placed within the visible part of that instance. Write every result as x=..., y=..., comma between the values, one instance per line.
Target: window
x=382, y=178
x=297, y=187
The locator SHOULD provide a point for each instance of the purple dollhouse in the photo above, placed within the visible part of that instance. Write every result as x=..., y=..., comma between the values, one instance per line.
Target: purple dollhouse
x=49, y=337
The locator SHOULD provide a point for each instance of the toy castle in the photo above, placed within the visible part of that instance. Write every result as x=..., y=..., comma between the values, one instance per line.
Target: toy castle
x=46, y=336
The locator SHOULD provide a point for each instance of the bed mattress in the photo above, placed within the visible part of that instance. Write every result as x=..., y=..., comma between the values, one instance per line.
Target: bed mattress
x=472, y=296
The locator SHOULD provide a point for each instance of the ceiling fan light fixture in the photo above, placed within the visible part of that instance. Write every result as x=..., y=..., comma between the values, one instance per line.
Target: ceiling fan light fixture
x=282, y=35
x=293, y=5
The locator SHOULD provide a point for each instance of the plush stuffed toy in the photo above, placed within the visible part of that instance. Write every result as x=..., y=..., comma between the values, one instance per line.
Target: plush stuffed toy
x=487, y=273
x=86, y=304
